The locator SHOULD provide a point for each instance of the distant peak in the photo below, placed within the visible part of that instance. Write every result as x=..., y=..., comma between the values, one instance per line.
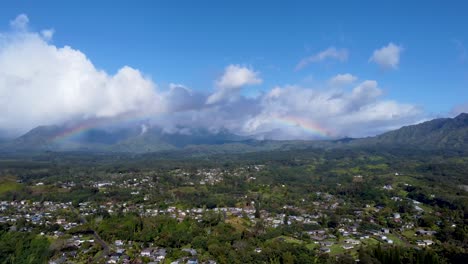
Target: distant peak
x=462, y=116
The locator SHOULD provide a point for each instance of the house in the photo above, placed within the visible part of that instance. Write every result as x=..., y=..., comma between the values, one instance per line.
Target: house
x=326, y=243
x=347, y=246
x=146, y=252
x=325, y=250
x=192, y=251
x=160, y=254
x=352, y=241
x=428, y=242
x=119, y=243
x=114, y=258
x=58, y=261
x=192, y=261
x=420, y=243
x=425, y=233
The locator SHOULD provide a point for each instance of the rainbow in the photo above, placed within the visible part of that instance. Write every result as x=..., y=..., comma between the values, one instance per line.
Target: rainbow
x=137, y=117
x=306, y=125
x=88, y=124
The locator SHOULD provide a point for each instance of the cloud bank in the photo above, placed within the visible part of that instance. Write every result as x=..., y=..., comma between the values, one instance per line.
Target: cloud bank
x=42, y=84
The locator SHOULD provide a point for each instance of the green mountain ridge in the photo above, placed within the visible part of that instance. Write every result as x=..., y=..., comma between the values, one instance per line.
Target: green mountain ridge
x=449, y=133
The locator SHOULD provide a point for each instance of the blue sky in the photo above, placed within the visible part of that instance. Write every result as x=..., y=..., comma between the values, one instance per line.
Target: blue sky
x=192, y=42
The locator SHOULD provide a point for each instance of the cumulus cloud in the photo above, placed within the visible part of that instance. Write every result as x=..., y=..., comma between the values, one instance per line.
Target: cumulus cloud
x=330, y=53
x=180, y=98
x=297, y=112
x=47, y=34
x=42, y=84
x=342, y=79
x=387, y=57
x=234, y=78
x=20, y=22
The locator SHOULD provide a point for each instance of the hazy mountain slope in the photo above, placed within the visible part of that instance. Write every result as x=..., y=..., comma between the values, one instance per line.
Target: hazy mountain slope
x=443, y=133
x=36, y=138
x=450, y=133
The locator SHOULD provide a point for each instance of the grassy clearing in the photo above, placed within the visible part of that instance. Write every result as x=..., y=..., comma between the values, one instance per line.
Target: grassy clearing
x=43, y=189
x=370, y=241
x=409, y=234
x=8, y=183
x=396, y=239
x=337, y=249
x=238, y=223
x=425, y=207
x=312, y=246
x=290, y=239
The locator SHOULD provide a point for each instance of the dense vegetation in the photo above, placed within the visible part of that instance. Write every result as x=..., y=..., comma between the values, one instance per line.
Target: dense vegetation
x=281, y=183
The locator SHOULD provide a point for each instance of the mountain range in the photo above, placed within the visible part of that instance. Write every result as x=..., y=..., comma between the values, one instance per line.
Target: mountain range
x=442, y=133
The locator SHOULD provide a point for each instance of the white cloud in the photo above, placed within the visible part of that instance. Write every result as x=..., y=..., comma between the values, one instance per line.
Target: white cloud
x=330, y=53
x=297, y=112
x=180, y=98
x=342, y=79
x=47, y=34
x=234, y=78
x=387, y=57
x=20, y=22
x=43, y=84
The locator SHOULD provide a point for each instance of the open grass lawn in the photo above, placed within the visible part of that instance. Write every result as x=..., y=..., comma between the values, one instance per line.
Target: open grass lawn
x=370, y=241
x=425, y=207
x=290, y=239
x=396, y=239
x=409, y=234
x=8, y=184
x=338, y=249
x=312, y=246
x=42, y=189
x=238, y=223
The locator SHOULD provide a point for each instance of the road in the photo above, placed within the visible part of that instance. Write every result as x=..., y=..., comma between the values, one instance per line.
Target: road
x=105, y=247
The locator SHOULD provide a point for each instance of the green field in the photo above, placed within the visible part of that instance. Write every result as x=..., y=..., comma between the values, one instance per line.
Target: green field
x=338, y=249
x=8, y=184
x=396, y=239
x=370, y=241
x=289, y=239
